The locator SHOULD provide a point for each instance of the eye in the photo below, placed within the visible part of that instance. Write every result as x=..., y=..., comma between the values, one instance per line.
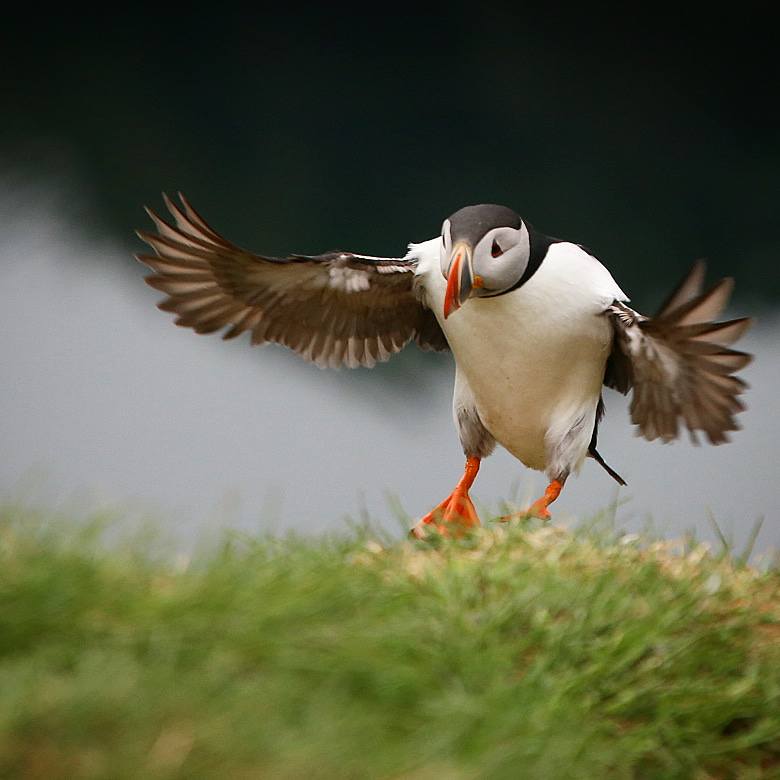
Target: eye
x=496, y=250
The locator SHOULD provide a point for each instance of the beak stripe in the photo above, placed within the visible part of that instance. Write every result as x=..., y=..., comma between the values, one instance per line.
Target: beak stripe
x=451, y=301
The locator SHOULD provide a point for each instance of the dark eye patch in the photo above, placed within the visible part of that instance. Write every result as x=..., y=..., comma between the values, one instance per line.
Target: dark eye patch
x=496, y=250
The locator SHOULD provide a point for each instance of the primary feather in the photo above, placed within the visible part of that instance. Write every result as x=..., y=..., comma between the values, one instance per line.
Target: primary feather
x=338, y=308
x=679, y=364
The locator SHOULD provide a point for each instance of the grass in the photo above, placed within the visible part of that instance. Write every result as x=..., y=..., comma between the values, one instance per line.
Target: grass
x=521, y=651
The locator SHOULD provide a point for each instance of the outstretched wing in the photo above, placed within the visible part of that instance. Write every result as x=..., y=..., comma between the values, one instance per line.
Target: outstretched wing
x=679, y=363
x=333, y=309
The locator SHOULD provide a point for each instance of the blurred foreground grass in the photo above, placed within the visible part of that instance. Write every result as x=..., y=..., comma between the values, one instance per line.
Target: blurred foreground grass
x=517, y=652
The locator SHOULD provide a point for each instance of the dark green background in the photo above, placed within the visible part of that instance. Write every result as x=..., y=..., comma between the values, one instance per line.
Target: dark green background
x=651, y=138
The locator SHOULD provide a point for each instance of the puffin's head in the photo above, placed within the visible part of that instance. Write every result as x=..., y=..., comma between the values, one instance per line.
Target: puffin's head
x=485, y=251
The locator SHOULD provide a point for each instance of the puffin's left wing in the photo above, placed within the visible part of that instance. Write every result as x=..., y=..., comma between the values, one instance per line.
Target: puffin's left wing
x=333, y=309
x=679, y=364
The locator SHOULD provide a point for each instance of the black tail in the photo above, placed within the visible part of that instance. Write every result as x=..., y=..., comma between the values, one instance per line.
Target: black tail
x=594, y=453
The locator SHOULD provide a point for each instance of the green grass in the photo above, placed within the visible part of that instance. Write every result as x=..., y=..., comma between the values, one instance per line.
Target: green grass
x=517, y=652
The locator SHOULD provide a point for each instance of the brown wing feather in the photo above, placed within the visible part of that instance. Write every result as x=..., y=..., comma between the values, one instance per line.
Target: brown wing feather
x=679, y=364
x=333, y=309
x=689, y=287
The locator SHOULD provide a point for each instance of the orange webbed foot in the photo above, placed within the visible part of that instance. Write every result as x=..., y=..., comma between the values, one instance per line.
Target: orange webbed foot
x=456, y=513
x=452, y=517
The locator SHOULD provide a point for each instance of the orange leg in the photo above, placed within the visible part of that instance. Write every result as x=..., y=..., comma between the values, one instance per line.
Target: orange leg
x=539, y=507
x=456, y=512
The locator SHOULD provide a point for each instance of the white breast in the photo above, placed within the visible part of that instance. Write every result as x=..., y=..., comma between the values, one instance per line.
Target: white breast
x=534, y=358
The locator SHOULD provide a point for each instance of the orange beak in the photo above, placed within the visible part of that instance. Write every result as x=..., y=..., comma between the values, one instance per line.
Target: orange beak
x=459, y=281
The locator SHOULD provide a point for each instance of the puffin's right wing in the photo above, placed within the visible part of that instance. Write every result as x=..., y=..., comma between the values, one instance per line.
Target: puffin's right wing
x=333, y=309
x=679, y=364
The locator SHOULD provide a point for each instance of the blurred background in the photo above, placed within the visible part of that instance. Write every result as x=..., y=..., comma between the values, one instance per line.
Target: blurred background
x=652, y=140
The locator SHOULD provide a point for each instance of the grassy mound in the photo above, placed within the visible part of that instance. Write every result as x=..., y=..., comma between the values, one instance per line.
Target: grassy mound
x=516, y=652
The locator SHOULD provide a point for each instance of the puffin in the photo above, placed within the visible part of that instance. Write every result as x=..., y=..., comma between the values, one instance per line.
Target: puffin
x=537, y=327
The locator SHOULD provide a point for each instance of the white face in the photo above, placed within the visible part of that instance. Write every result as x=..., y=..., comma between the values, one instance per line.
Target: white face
x=446, y=245
x=497, y=262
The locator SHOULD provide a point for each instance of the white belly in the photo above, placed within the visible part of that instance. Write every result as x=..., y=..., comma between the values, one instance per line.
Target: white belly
x=534, y=358
x=530, y=377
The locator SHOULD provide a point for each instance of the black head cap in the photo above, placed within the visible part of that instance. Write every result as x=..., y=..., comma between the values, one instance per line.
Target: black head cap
x=472, y=222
